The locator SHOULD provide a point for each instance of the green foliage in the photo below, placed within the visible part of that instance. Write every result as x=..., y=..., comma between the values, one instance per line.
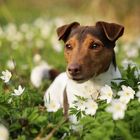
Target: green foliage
x=129, y=78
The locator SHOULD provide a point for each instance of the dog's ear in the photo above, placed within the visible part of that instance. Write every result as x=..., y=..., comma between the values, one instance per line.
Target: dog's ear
x=112, y=30
x=65, y=30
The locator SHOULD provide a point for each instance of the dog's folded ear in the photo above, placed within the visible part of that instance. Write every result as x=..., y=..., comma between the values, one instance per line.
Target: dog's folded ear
x=112, y=30
x=65, y=30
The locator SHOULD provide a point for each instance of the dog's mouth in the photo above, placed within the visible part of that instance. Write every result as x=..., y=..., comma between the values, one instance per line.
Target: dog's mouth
x=78, y=78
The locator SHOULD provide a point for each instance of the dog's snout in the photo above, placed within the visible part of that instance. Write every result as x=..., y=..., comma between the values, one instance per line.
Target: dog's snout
x=74, y=69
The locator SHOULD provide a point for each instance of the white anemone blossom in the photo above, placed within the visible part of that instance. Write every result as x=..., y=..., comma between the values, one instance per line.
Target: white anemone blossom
x=10, y=64
x=6, y=76
x=19, y=91
x=117, y=108
x=133, y=52
x=80, y=105
x=126, y=94
x=37, y=58
x=52, y=106
x=127, y=62
x=90, y=107
x=56, y=44
x=106, y=93
x=4, y=133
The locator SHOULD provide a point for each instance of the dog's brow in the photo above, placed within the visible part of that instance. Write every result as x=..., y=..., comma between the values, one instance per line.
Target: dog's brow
x=82, y=34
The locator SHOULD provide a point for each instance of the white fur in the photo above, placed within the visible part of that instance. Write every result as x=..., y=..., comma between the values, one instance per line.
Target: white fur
x=39, y=73
x=85, y=89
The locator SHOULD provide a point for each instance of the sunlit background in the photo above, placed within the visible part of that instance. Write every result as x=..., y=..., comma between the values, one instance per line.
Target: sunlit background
x=125, y=12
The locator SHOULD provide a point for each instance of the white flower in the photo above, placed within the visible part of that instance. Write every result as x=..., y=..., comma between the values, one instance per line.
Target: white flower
x=4, y=133
x=39, y=22
x=80, y=105
x=24, y=27
x=10, y=64
x=126, y=63
x=19, y=91
x=106, y=93
x=45, y=30
x=10, y=32
x=117, y=109
x=58, y=22
x=90, y=107
x=56, y=44
x=124, y=99
x=132, y=53
x=138, y=95
x=37, y=58
x=126, y=94
x=52, y=106
x=6, y=76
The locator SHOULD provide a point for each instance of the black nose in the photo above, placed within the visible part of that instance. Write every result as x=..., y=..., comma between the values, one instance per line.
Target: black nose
x=74, y=69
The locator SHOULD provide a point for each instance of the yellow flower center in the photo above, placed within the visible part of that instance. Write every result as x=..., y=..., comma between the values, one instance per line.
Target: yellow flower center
x=109, y=94
x=127, y=94
x=117, y=107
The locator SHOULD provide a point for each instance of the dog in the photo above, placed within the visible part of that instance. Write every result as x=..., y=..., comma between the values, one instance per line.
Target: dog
x=91, y=63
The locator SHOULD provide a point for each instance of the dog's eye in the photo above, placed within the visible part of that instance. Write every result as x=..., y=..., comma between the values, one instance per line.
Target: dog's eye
x=68, y=46
x=94, y=46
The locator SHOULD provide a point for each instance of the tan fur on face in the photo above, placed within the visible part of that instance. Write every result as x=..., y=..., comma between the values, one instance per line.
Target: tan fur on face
x=92, y=61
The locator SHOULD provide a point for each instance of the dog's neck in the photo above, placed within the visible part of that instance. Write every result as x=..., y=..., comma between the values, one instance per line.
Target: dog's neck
x=106, y=77
x=93, y=85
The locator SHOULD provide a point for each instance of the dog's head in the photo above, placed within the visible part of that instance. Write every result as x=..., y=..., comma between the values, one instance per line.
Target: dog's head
x=89, y=50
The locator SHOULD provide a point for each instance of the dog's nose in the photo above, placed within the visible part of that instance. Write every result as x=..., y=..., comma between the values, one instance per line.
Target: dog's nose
x=74, y=69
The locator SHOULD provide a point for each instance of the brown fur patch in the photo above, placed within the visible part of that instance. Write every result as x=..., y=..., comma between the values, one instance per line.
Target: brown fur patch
x=53, y=73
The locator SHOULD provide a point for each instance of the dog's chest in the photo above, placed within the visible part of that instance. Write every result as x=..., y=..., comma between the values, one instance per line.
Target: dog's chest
x=88, y=89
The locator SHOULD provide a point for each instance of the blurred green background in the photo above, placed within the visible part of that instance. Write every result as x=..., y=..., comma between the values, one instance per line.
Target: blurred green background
x=31, y=25
x=125, y=12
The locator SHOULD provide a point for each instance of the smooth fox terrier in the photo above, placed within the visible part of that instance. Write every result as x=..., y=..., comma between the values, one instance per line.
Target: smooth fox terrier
x=91, y=63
